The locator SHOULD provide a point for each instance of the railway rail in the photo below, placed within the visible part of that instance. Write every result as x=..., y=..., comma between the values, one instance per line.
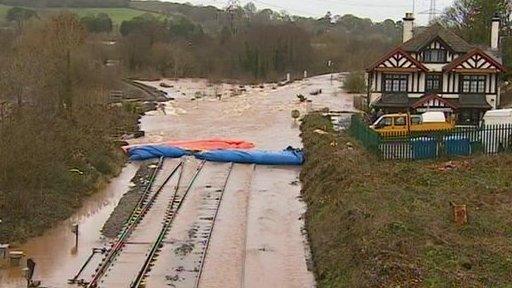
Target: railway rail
x=210, y=232
x=203, y=224
x=187, y=245
x=174, y=206
x=143, y=206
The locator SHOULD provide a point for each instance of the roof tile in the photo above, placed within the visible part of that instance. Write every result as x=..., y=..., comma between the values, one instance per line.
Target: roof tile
x=436, y=30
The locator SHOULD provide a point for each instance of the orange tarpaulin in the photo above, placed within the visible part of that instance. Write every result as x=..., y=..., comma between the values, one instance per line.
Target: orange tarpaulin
x=202, y=145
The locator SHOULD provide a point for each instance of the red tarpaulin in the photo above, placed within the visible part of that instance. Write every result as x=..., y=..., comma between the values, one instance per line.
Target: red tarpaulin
x=202, y=145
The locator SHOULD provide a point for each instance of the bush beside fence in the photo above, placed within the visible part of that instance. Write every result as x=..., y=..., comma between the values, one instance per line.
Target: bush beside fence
x=461, y=141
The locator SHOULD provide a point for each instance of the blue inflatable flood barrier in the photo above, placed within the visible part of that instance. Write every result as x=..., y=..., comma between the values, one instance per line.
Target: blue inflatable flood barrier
x=155, y=151
x=289, y=156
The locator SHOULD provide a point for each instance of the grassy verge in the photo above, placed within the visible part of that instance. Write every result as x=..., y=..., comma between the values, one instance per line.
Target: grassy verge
x=390, y=224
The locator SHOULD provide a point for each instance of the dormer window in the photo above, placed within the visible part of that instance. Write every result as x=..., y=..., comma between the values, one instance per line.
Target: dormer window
x=434, y=56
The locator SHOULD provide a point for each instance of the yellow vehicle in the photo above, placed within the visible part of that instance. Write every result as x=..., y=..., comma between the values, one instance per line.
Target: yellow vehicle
x=403, y=124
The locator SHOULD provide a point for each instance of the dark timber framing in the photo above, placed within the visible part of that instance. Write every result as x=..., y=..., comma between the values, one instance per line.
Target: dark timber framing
x=459, y=73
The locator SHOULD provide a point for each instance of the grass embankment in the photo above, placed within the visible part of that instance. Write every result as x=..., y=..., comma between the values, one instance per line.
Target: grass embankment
x=378, y=223
x=49, y=164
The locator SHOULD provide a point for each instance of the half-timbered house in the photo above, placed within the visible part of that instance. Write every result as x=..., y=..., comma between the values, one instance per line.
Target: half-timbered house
x=437, y=70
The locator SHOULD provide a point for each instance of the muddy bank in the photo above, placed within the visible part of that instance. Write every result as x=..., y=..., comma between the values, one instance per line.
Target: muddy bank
x=128, y=202
x=394, y=222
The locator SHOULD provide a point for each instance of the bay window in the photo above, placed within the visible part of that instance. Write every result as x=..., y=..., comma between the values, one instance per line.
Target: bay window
x=472, y=84
x=395, y=83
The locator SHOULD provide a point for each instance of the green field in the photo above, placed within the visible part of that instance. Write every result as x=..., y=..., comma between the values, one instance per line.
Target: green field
x=3, y=12
x=118, y=15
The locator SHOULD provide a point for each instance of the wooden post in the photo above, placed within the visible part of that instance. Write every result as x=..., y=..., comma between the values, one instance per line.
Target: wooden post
x=460, y=214
x=75, y=231
x=2, y=115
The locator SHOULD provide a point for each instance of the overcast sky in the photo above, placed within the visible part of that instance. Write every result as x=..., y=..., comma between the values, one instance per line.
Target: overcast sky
x=377, y=10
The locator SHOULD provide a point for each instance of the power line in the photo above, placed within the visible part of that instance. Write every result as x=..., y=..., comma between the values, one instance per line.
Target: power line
x=351, y=4
x=284, y=8
x=432, y=12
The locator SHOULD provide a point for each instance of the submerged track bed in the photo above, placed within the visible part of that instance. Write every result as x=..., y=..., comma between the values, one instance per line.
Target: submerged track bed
x=166, y=241
x=185, y=247
x=173, y=208
x=148, y=208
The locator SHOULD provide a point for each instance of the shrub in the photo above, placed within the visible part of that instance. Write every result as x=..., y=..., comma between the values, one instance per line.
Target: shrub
x=355, y=83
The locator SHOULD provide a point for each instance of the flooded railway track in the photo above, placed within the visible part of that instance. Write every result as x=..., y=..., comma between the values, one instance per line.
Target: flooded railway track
x=151, y=251
x=143, y=207
x=174, y=206
x=182, y=257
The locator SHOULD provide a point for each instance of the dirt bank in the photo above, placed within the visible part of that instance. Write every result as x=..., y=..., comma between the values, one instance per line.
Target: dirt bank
x=390, y=224
x=129, y=201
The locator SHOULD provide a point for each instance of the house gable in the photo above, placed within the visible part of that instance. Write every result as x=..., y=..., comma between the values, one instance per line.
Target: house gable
x=397, y=60
x=475, y=61
x=430, y=34
x=437, y=43
x=433, y=100
x=442, y=52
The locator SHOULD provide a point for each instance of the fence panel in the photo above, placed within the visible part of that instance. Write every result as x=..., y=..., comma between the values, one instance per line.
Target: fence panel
x=460, y=141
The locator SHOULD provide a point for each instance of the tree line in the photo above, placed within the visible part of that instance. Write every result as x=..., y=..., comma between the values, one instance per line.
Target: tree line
x=252, y=45
x=471, y=19
x=56, y=128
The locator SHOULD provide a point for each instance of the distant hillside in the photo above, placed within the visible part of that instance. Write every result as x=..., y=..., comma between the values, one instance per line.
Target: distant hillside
x=245, y=44
x=67, y=3
x=118, y=15
x=210, y=17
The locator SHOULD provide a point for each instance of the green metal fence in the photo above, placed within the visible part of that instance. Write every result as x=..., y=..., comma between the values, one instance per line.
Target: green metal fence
x=461, y=141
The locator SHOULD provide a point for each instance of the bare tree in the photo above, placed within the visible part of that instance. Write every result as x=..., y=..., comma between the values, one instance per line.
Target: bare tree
x=66, y=34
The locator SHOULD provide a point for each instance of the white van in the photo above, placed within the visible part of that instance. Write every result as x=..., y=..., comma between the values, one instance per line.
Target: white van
x=433, y=117
x=498, y=117
x=493, y=136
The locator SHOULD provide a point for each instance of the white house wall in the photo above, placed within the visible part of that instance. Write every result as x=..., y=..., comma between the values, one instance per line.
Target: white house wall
x=435, y=67
x=451, y=82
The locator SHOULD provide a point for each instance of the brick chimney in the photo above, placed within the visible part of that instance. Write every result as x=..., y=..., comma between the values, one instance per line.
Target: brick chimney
x=495, y=32
x=408, y=26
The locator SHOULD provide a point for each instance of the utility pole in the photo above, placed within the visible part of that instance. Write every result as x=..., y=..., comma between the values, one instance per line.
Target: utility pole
x=231, y=9
x=432, y=12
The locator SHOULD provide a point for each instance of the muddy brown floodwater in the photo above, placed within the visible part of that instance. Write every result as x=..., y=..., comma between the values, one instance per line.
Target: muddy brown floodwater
x=57, y=259
x=257, y=239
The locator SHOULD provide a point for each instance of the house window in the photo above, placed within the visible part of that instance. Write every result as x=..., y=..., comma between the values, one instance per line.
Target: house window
x=473, y=84
x=433, y=83
x=396, y=83
x=434, y=56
